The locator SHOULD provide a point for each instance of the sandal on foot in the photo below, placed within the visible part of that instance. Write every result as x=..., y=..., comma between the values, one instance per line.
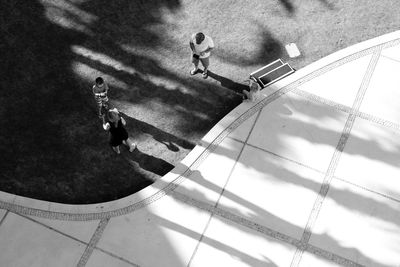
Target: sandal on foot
x=205, y=75
x=193, y=71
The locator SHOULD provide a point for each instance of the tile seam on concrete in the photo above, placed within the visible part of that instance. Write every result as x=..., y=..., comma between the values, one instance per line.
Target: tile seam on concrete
x=287, y=159
x=93, y=242
x=52, y=229
x=321, y=172
x=4, y=217
x=340, y=107
x=223, y=188
x=367, y=189
x=235, y=218
x=175, y=183
x=71, y=237
x=336, y=156
x=266, y=231
x=392, y=59
x=117, y=257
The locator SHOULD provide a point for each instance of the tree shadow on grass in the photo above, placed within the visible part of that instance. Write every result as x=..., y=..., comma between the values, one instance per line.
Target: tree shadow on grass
x=270, y=50
x=36, y=102
x=197, y=111
x=58, y=150
x=328, y=4
x=289, y=7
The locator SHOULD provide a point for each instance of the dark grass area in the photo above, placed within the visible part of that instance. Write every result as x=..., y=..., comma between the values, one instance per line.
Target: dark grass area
x=52, y=144
x=53, y=147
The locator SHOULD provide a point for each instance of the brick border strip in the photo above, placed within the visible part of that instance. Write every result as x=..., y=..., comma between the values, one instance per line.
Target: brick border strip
x=211, y=147
x=93, y=242
x=266, y=231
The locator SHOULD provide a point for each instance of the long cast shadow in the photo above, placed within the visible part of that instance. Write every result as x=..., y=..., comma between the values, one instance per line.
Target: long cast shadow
x=229, y=84
x=150, y=163
x=138, y=127
x=218, y=245
x=190, y=196
x=228, y=212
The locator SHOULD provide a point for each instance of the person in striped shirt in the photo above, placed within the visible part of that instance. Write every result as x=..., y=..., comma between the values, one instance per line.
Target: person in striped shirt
x=100, y=90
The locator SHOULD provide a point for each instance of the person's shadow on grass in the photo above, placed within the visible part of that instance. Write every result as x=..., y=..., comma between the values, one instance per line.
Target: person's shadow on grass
x=229, y=84
x=149, y=163
x=171, y=141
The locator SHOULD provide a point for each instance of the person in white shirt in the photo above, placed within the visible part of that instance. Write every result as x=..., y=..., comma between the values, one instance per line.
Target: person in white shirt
x=201, y=45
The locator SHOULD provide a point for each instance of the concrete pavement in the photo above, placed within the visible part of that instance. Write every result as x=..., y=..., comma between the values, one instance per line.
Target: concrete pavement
x=307, y=176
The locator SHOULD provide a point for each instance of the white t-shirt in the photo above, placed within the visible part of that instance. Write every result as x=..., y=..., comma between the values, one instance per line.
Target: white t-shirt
x=198, y=48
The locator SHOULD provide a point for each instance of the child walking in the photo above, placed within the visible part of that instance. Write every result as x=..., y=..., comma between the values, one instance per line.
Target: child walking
x=118, y=133
x=100, y=90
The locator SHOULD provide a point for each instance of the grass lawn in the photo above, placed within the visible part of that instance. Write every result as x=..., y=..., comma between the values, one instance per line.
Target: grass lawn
x=52, y=143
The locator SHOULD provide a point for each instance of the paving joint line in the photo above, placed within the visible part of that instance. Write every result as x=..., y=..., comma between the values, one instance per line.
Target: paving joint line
x=51, y=228
x=223, y=189
x=367, y=189
x=340, y=107
x=93, y=242
x=316, y=170
x=264, y=230
x=320, y=172
x=71, y=237
x=4, y=217
x=393, y=59
x=287, y=159
x=174, y=184
x=117, y=257
x=336, y=156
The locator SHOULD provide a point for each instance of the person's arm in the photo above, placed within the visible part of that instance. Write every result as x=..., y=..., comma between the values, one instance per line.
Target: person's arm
x=106, y=125
x=192, y=47
x=191, y=44
x=123, y=121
